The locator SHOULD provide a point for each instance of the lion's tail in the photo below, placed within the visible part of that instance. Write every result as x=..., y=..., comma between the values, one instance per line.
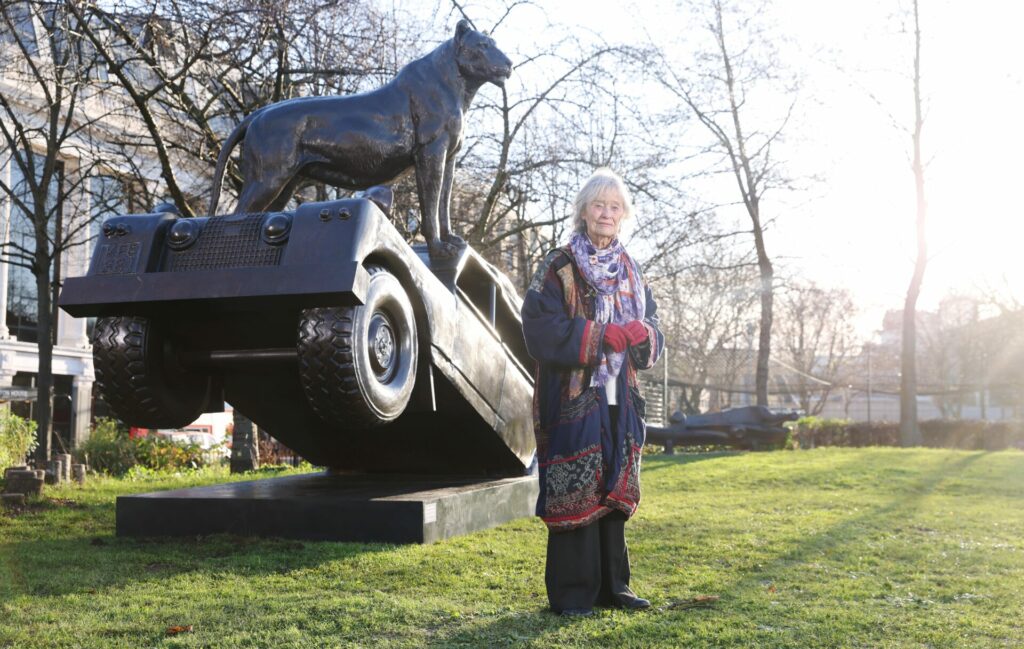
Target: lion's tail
x=225, y=154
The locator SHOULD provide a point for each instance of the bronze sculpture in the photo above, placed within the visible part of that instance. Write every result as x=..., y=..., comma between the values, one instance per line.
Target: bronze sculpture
x=401, y=368
x=359, y=352
x=357, y=141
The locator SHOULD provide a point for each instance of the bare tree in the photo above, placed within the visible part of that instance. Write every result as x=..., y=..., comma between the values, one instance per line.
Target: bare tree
x=55, y=114
x=970, y=353
x=910, y=433
x=568, y=109
x=718, y=91
x=952, y=352
x=528, y=148
x=706, y=300
x=193, y=69
x=1003, y=335
x=815, y=337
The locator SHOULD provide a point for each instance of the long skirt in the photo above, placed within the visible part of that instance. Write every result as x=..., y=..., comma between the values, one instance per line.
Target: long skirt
x=589, y=566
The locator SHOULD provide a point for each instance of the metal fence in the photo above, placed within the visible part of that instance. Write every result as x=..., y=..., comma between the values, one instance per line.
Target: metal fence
x=860, y=393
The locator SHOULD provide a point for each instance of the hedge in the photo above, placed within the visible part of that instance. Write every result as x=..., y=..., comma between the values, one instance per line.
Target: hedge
x=810, y=432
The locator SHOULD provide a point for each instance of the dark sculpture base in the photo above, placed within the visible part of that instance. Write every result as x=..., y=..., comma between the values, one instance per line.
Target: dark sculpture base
x=322, y=507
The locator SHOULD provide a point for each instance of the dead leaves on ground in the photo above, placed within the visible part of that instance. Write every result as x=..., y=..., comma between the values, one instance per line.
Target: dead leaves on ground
x=700, y=601
x=175, y=630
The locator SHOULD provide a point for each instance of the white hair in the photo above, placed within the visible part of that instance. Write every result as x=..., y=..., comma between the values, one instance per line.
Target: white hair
x=603, y=180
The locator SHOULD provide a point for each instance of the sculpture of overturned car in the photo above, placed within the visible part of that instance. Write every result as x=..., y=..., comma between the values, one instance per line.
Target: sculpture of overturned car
x=323, y=326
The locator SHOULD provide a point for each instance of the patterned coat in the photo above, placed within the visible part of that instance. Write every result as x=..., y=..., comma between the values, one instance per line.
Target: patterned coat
x=587, y=465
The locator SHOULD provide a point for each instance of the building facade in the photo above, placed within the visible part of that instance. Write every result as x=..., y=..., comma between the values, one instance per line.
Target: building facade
x=19, y=334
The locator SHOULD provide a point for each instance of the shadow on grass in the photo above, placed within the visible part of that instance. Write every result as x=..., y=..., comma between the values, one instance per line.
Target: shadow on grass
x=897, y=512
x=80, y=563
x=89, y=564
x=519, y=628
x=511, y=629
x=658, y=461
x=904, y=502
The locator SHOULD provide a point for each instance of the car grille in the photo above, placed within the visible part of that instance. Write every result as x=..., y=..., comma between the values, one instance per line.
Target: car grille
x=226, y=242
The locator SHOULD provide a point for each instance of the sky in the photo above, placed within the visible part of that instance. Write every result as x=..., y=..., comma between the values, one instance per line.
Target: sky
x=852, y=223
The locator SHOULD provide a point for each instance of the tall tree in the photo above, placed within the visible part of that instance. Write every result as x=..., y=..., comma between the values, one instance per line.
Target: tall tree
x=54, y=112
x=193, y=69
x=530, y=144
x=910, y=433
x=952, y=350
x=706, y=303
x=815, y=336
x=719, y=90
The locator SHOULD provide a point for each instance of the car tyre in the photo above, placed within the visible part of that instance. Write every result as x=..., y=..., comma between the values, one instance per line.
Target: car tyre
x=138, y=379
x=357, y=364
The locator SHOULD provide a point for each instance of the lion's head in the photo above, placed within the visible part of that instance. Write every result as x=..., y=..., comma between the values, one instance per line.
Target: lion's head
x=478, y=56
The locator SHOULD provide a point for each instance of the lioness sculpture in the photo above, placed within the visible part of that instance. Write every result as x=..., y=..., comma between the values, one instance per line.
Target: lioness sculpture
x=357, y=141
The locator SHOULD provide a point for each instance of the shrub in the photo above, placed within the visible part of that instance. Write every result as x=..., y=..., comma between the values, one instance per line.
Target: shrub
x=811, y=431
x=874, y=434
x=974, y=435
x=17, y=439
x=936, y=433
x=110, y=450
x=162, y=454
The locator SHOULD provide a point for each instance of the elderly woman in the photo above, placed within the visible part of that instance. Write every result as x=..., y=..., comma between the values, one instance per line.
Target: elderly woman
x=590, y=322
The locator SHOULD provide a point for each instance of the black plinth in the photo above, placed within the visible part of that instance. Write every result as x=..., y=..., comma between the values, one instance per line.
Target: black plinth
x=392, y=509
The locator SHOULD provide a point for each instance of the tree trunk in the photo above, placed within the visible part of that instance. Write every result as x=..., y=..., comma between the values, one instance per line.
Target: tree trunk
x=44, y=378
x=764, y=265
x=910, y=433
x=764, y=345
x=245, y=452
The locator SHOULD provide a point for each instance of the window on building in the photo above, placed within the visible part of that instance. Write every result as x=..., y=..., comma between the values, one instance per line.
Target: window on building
x=109, y=196
x=16, y=26
x=76, y=51
x=22, y=296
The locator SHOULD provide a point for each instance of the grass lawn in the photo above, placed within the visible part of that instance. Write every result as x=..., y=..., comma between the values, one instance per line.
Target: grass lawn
x=823, y=548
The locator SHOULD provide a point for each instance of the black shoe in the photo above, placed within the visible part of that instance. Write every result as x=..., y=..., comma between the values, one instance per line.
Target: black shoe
x=635, y=604
x=577, y=612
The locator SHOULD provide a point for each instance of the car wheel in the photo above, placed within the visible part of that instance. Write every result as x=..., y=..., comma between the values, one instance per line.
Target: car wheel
x=138, y=379
x=357, y=364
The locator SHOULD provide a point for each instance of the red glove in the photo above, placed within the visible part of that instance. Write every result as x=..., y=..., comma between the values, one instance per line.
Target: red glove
x=636, y=332
x=615, y=337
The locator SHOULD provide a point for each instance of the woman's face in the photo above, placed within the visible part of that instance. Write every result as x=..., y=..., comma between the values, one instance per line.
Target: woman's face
x=603, y=217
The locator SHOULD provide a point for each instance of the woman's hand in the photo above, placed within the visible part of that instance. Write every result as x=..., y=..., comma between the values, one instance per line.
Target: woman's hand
x=635, y=331
x=615, y=337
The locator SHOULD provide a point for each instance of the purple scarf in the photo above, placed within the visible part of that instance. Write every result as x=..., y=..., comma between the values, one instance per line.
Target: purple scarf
x=620, y=292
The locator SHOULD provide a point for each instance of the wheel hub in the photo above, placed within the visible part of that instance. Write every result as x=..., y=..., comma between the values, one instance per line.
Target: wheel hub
x=382, y=346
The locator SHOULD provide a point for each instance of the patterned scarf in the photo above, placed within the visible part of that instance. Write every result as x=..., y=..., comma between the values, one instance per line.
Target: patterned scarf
x=620, y=292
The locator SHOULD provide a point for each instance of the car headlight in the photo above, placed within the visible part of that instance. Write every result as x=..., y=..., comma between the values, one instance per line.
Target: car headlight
x=276, y=227
x=183, y=234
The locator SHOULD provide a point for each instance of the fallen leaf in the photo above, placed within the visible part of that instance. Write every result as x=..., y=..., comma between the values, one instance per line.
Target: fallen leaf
x=772, y=588
x=700, y=601
x=175, y=630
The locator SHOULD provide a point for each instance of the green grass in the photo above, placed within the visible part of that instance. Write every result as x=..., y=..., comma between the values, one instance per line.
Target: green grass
x=823, y=548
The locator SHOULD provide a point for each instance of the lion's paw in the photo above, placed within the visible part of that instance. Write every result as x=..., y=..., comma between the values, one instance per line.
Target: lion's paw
x=454, y=239
x=441, y=249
